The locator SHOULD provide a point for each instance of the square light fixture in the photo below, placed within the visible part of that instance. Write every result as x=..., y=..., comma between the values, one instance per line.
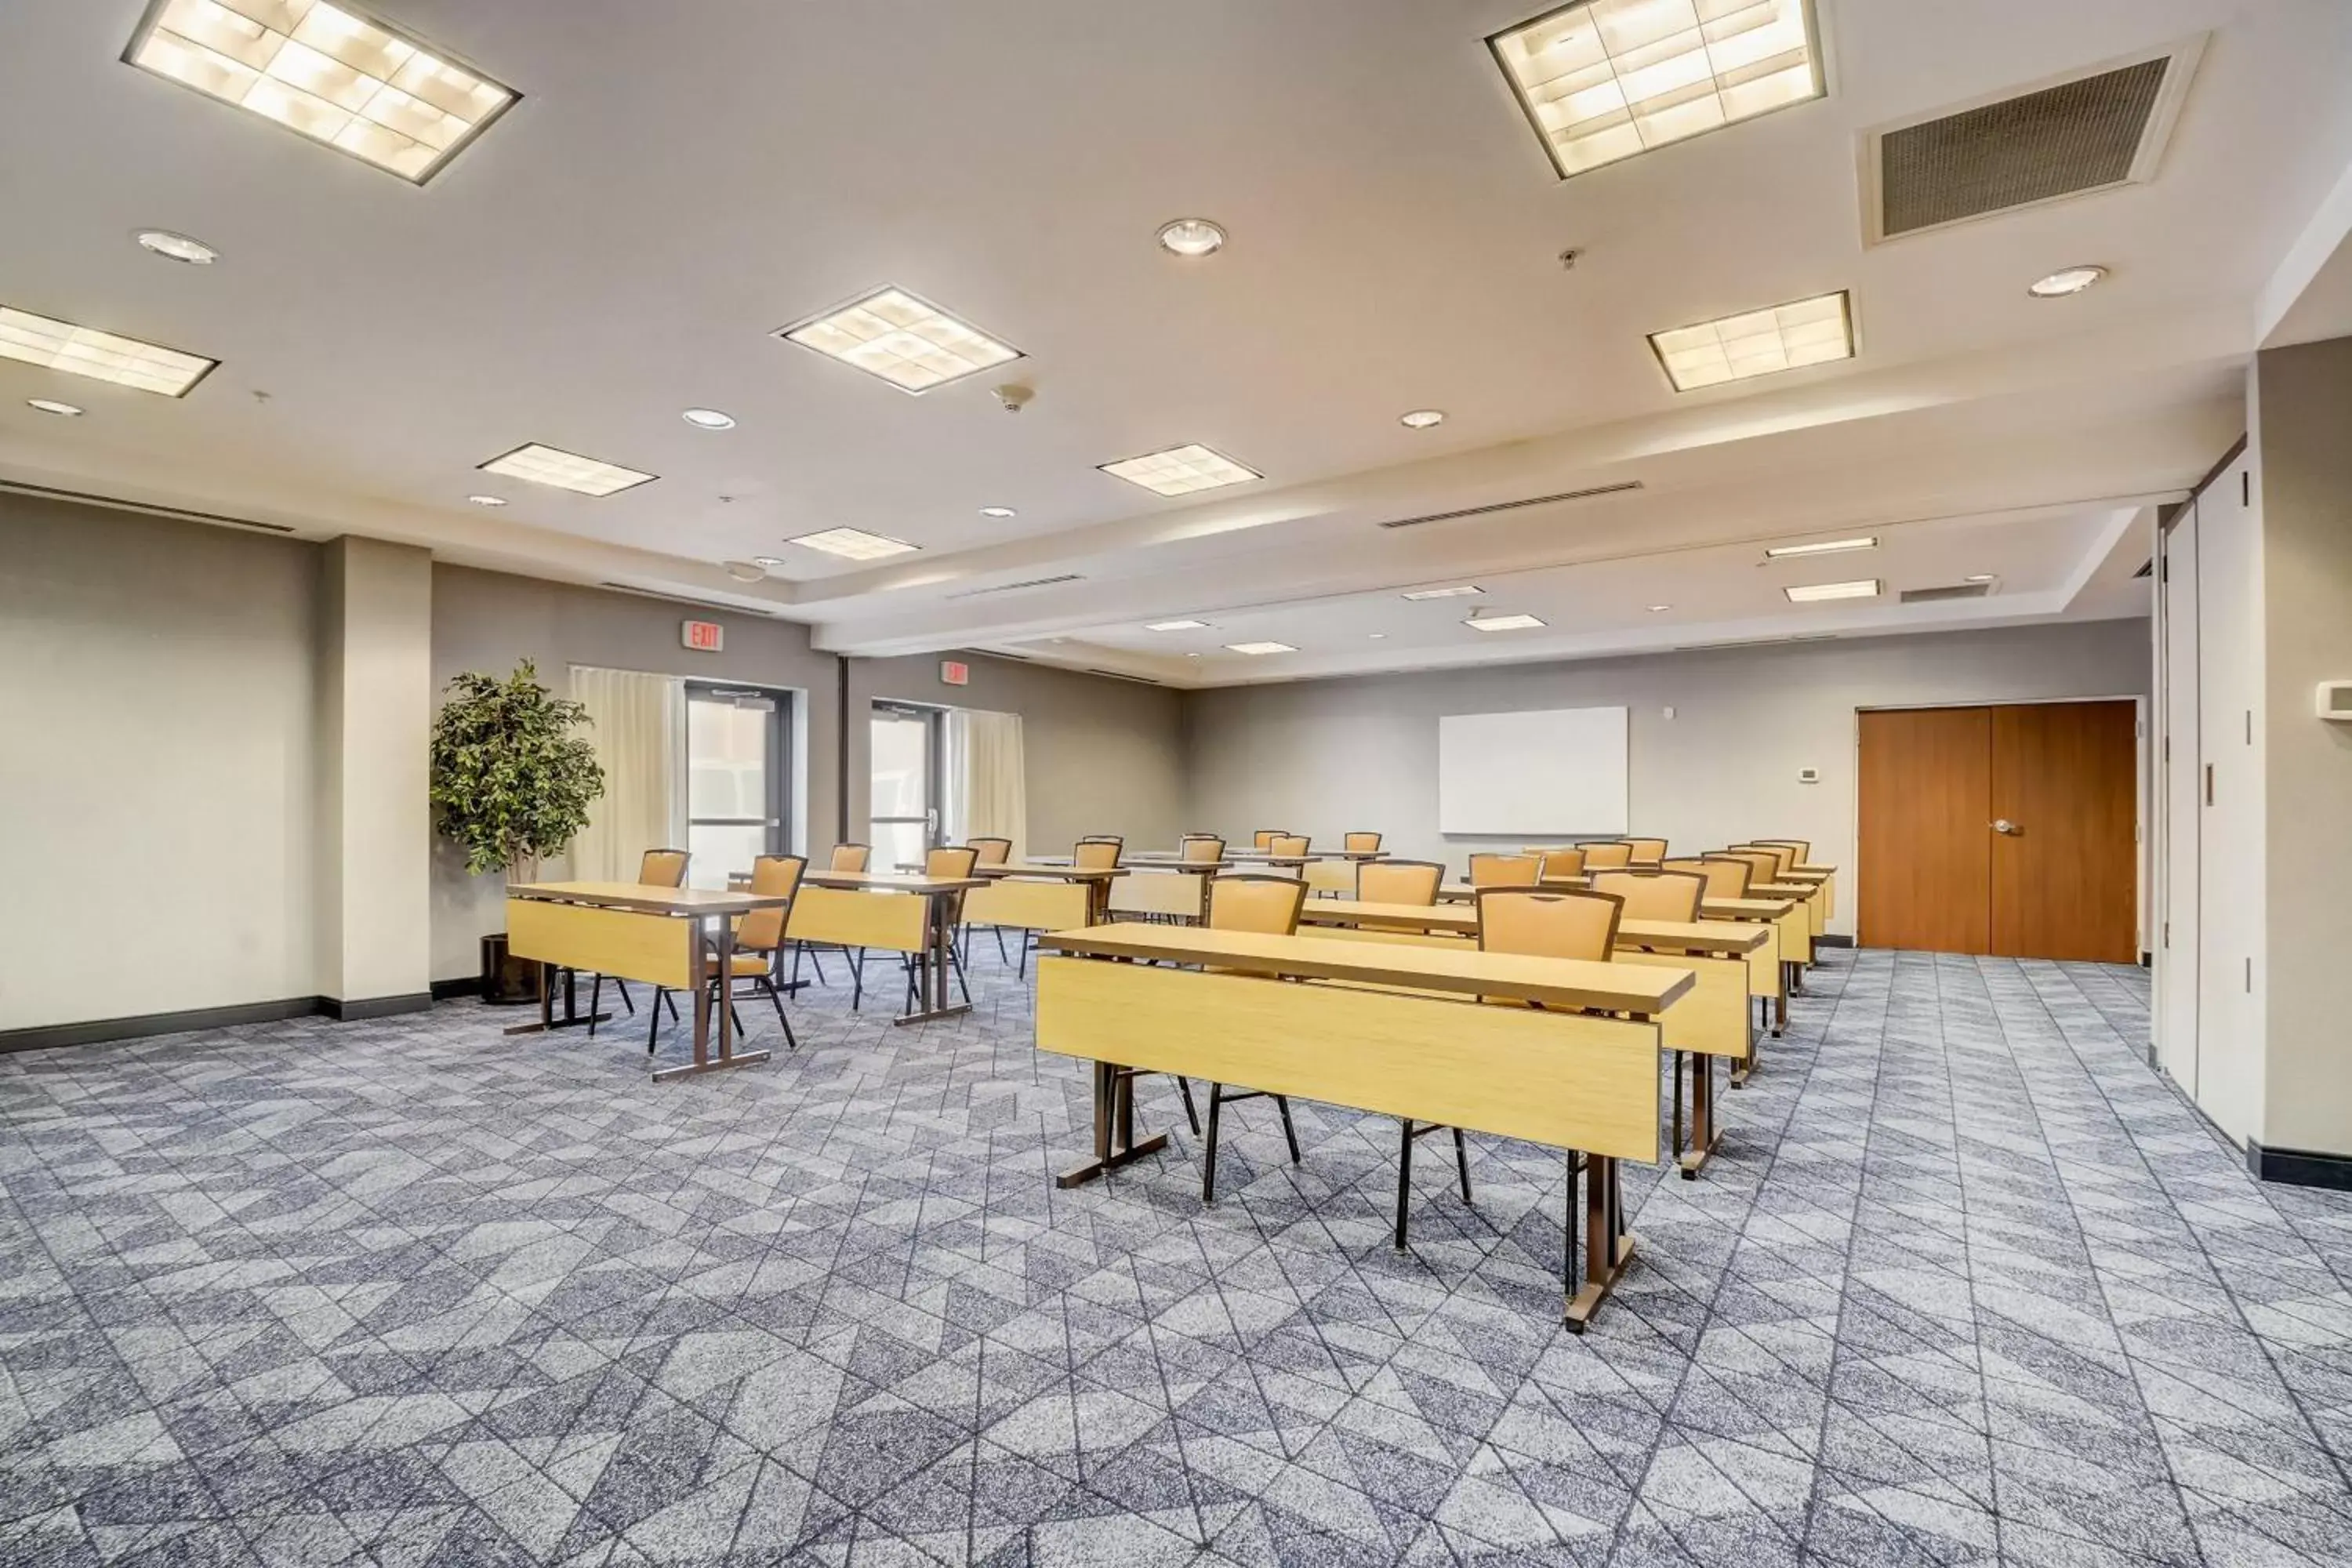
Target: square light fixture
x=1760, y=342
x=910, y=343
x=566, y=471
x=1181, y=471
x=102, y=356
x=1459, y=591
x=1605, y=79
x=1815, y=593
x=1827, y=547
x=1503, y=623
x=855, y=544
x=1176, y=627
x=325, y=71
x=1259, y=647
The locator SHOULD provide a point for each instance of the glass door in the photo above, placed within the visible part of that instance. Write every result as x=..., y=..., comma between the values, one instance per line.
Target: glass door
x=906, y=800
x=734, y=780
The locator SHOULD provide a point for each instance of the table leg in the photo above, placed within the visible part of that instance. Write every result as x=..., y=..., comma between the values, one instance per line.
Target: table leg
x=1115, y=1143
x=1608, y=1245
x=932, y=991
x=1702, y=1115
x=572, y=1018
x=706, y=999
x=1677, y=1144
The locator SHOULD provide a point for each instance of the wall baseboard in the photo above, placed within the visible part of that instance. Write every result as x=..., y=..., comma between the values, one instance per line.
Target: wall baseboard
x=2299, y=1168
x=1832, y=939
x=462, y=985
x=144, y=1025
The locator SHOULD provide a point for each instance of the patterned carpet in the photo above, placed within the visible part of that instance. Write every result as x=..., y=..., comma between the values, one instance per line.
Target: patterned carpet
x=1967, y=1284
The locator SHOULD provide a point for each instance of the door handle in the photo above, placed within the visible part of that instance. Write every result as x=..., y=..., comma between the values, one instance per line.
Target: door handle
x=2003, y=824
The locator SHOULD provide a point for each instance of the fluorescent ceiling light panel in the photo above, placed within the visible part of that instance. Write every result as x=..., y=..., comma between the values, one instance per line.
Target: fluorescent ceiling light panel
x=1259, y=647
x=324, y=71
x=853, y=544
x=1760, y=342
x=1815, y=593
x=910, y=343
x=1503, y=623
x=1176, y=626
x=101, y=356
x=1181, y=471
x=566, y=471
x=1827, y=547
x=1460, y=591
x=1606, y=79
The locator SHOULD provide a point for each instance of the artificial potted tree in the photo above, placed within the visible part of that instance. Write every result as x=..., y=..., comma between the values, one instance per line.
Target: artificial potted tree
x=511, y=785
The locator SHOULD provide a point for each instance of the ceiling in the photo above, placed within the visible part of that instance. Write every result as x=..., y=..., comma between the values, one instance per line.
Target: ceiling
x=622, y=244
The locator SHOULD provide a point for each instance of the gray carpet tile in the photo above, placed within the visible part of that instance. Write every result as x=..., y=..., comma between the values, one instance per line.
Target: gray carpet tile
x=1968, y=1283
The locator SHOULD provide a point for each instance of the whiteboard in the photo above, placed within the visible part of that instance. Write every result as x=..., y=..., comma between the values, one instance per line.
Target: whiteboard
x=1559, y=771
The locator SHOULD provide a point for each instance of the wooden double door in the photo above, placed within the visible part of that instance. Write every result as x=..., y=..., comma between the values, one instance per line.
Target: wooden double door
x=2006, y=830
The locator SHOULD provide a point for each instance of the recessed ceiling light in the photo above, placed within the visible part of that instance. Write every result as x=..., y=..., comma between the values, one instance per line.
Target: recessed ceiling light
x=101, y=356
x=177, y=247
x=1605, y=79
x=313, y=67
x=768, y=560
x=51, y=405
x=910, y=343
x=1978, y=577
x=1826, y=547
x=1191, y=237
x=708, y=419
x=1657, y=609
x=1176, y=627
x=1760, y=343
x=998, y=511
x=853, y=544
x=1459, y=591
x=2064, y=281
x=1502, y=623
x=744, y=571
x=565, y=471
x=1181, y=471
x=1259, y=647
x=487, y=500
x=1421, y=418
x=1814, y=593
x=1376, y=636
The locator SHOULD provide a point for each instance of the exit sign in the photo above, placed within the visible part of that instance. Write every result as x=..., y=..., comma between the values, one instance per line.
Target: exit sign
x=954, y=672
x=703, y=637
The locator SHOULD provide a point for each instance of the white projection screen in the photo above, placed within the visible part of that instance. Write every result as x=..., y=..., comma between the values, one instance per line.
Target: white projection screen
x=1554, y=773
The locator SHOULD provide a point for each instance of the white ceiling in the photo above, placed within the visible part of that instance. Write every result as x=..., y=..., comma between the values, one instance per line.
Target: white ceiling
x=619, y=247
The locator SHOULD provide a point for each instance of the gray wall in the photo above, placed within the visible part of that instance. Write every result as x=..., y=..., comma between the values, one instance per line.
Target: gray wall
x=157, y=774
x=1100, y=755
x=1324, y=756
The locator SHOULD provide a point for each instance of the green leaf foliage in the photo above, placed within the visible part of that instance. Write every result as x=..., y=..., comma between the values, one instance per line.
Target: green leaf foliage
x=512, y=781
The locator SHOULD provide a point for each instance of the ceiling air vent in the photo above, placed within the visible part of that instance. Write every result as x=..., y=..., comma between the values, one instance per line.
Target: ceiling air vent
x=682, y=599
x=1948, y=591
x=149, y=508
x=2090, y=131
x=1016, y=587
x=1515, y=505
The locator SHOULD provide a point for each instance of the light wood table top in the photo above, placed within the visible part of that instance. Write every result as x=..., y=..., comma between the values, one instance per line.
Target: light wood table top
x=889, y=882
x=1463, y=970
x=648, y=901
x=1703, y=937
x=1045, y=869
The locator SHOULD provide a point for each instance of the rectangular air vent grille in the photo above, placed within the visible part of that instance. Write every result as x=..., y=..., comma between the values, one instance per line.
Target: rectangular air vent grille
x=1515, y=505
x=1016, y=587
x=2093, y=132
x=681, y=599
x=1949, y=591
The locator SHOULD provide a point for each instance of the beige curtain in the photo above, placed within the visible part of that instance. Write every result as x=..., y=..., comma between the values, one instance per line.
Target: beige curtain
x=640, y=739
x=987, y=788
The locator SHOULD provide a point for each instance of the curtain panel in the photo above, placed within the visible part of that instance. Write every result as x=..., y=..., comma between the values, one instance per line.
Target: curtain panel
x=987, y=787
x=639, y=733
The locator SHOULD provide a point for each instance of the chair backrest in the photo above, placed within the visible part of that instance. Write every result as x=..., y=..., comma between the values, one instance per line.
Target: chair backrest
x=1096, y=854
x=1607, y=855
x=1783, y=856
x=1504, y=871
x=1288, y=844
x=1655, y=895
x=1269, y=905
x=1803, y=846
x=849, y=858
x=1399, y=881
x=952, y=861
x=1264, y=836
x=1541, y=923
x=1359, y=843
x=1726, y=878
x=1562, y=863
x=772, y=876
x=993, y=851
x=1646, y=851
x=1199, y=846
x=663, y=869
x=1765, y=865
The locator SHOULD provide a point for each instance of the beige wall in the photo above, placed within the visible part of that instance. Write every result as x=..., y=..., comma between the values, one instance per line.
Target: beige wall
x=1324, y=756
x=2302, y=441
x=1100, y=755
x=157, y=774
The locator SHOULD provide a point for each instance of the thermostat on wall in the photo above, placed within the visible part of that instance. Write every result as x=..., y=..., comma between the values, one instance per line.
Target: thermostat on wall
x=2335, y=701
x=1809, y=775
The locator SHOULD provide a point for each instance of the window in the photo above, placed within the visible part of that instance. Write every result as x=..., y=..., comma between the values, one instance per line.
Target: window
x=735, y=779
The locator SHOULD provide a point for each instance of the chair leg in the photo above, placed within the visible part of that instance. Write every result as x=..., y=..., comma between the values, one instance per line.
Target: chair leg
x=857, y=976
x=1185, y=1087
x=1404, y=1183
x=595, y=993
x=1209, y=1158
x=955, y=967
x=998, y=931
x=627, y=1001
x=652, y=1021
x=1282, y=1105
x=776, y=1000
x=1462, y=1162
x=672, y=999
